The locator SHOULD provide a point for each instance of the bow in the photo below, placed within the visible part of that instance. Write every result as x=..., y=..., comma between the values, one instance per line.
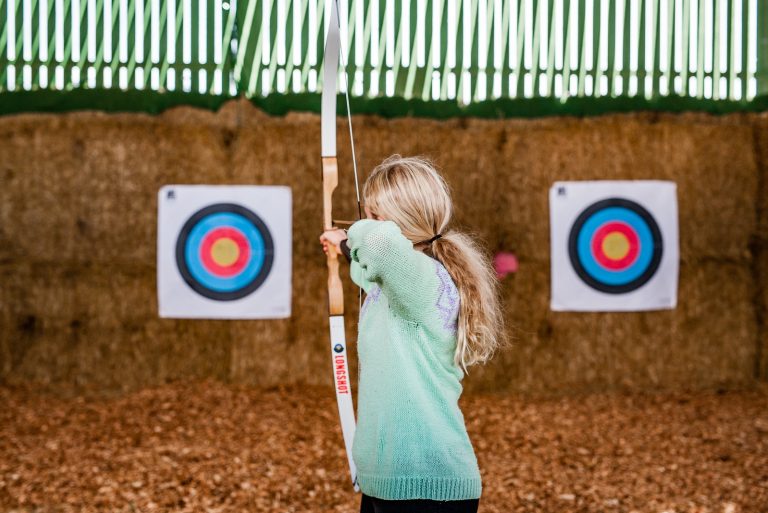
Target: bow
x=330, y=181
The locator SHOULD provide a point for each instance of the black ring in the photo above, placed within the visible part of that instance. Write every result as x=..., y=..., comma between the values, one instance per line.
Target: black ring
x=232, y=295
x=653, y=265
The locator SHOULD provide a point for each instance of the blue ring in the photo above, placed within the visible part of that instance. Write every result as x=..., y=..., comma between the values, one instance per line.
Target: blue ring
x=590, y=263
x=257, y=236
x=203, y=275
x=649, y=238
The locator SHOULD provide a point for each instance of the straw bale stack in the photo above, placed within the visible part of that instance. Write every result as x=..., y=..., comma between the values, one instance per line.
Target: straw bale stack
x=78, y=244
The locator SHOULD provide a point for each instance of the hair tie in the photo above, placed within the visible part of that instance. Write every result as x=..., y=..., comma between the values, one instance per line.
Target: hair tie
x=430, y=241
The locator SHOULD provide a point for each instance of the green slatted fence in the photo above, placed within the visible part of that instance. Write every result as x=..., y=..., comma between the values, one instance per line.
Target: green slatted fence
x=465, y=51
x=160, y=45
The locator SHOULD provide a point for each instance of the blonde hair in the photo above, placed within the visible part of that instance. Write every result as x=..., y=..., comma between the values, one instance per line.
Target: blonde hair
x=410, y=192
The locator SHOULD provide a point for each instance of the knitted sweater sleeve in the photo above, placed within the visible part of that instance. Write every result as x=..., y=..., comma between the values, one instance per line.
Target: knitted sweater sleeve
x=382, y=255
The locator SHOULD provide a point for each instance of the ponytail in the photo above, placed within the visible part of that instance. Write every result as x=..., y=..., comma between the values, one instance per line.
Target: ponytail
x=410, y=192
x=481, y=323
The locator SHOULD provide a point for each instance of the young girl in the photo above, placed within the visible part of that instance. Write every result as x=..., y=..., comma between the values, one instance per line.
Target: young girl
x=431, y=309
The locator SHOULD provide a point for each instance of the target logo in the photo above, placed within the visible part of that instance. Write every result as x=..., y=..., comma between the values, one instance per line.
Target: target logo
x=615, y=245
x=224, y=251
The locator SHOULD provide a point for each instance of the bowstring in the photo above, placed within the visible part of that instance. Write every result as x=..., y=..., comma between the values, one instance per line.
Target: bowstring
x=351, y=136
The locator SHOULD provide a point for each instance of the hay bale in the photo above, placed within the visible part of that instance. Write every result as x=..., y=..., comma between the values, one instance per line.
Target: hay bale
x=707, y=342
x=712, y=164
x=111, y=296
x=84, y=329
x=760, y=244
x=83, y=188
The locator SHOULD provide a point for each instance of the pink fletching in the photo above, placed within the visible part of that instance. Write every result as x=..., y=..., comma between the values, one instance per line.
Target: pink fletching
x=504, y=264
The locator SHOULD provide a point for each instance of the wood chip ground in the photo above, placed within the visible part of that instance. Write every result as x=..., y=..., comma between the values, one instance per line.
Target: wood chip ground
x=211, y=447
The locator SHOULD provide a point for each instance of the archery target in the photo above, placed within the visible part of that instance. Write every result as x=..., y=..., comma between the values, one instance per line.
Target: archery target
x=614, y=245
x=224, y=251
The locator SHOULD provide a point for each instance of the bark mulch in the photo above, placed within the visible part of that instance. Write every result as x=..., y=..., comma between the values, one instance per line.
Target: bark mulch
x=207, y=446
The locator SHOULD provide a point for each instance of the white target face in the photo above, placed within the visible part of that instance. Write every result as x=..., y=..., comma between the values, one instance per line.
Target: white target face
x=224, y=251
x=614, y=245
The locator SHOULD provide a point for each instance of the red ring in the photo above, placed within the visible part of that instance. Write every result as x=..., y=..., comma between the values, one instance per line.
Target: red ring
x=230, y=233
x=597, y=245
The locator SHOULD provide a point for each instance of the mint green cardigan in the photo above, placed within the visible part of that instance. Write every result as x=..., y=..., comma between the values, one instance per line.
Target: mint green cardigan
x=410, y=441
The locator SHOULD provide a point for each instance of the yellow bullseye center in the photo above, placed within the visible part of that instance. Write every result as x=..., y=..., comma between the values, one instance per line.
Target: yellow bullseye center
x=615, y=245
x=225, y=252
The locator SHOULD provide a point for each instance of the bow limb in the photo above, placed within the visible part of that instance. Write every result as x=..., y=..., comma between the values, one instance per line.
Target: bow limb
x=335, y=291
